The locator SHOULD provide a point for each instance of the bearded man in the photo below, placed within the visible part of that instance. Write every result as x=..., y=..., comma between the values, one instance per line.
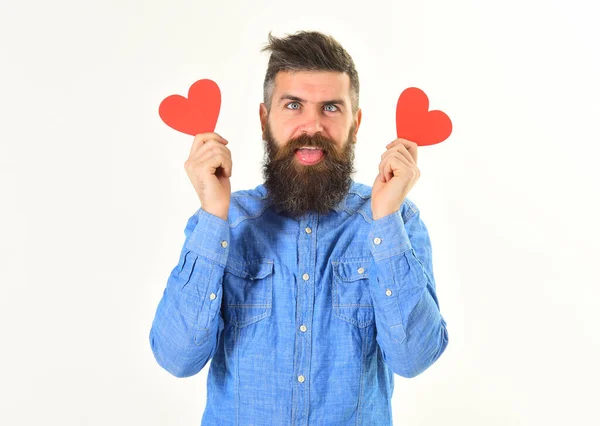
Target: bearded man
x=308, y=292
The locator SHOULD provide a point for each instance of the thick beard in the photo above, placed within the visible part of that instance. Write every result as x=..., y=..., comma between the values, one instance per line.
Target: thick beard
x=297, y=189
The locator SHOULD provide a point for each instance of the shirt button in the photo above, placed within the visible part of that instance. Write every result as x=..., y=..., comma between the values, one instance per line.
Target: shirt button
x=377, y=240
x=388, y=292
x=361, y=270
x=224, y=244
x=308, y=230
x=213, y=296
x=301, y=379
x=305, y=277
x=303, y=328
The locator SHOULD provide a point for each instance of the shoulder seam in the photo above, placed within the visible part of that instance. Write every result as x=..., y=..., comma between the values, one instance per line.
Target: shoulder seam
x=364, y=197
x=243, y=218
x=245, y=194
x=412, y=209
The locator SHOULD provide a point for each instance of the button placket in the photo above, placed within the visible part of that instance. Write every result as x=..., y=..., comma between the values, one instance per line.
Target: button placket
x=306, y=238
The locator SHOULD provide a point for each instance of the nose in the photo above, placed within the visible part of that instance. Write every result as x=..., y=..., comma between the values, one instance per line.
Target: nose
x=312, y=122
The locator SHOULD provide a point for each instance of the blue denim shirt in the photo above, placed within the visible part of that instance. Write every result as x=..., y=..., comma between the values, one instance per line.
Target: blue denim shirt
x=305, y=320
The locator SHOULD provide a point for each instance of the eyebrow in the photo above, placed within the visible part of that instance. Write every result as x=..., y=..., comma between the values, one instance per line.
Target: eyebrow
x=287, y=96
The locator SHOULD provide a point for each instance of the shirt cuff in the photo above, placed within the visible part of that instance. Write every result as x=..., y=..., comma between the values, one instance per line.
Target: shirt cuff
x=388, y=236
x=210, y=238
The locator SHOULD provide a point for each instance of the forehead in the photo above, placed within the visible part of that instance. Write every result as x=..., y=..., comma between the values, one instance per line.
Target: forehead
x=312, y=85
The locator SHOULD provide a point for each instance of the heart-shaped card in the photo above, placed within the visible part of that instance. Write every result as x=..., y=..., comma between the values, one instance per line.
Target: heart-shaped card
x=198, y=113
x=416, y=123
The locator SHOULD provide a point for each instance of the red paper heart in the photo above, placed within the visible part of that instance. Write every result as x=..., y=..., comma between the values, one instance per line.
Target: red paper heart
x=416, y=123
x=198, y=113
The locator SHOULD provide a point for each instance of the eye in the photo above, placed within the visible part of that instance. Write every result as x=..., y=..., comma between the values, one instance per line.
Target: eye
x=292, y=103
x=332, y=105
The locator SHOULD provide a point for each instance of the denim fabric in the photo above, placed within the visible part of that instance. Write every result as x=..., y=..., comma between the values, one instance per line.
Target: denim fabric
x=305, y=320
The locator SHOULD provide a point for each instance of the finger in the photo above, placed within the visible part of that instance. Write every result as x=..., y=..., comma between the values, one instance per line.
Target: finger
x=383, y=169
x=382, y=166
x=201, y=138
x=396, y=142
x=211, y=135
x=384, y=158
x=403, y=149
x=411, y=168
x=222, y=156
x=410, y=146
x=381, y=177
x=224, y=163
x=210, y=146
x=215, y=161
x=413, y=150
x=400, y=149
x=393, y=163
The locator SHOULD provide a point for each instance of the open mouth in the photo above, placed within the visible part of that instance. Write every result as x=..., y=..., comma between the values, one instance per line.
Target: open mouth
x=309, y=155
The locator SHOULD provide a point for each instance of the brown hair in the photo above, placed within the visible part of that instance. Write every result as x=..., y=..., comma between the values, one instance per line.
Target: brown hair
x=308, y=51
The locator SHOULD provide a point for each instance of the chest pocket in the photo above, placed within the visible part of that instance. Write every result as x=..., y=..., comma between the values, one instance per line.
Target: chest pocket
x=247, y=291
x=350, y=296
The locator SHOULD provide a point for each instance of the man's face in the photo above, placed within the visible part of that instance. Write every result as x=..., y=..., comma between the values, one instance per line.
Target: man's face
x=310, y=134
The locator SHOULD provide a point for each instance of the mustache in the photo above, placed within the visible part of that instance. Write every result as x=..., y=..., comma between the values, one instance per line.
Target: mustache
x=316, y=140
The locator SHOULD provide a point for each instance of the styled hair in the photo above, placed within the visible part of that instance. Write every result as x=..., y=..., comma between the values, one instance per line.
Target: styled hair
x=308, y=51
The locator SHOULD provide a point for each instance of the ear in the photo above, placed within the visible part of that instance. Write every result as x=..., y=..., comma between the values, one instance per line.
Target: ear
x=264, y=115
x=357, y=118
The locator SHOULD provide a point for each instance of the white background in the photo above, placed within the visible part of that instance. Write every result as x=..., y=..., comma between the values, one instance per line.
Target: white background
x=95, y=197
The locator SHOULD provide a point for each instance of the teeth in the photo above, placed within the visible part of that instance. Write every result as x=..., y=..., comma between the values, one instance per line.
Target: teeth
x=309, y=147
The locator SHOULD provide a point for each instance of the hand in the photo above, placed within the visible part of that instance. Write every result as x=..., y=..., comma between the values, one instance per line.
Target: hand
x=209, y=169
x=398, y=172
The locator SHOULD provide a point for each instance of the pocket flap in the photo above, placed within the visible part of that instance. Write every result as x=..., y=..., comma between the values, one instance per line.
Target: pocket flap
x=352, y=270
x=251, y=270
